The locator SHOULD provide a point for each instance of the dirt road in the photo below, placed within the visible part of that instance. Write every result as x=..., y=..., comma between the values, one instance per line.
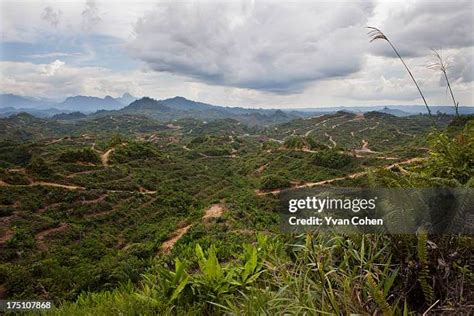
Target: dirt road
x=328, y=181
x=214, y=211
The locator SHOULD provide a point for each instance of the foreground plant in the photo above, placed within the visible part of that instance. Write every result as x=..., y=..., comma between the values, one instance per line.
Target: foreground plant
x=377, y=34
x=441, y=65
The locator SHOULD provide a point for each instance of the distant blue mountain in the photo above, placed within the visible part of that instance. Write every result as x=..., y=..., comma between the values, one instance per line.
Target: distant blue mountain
x=90, y=104
x=126, y=99
x=397, y=110
x=85, y=104
x=16, y=101
x=182, y=107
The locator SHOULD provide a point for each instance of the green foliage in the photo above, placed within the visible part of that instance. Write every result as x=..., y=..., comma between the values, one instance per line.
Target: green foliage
x=167, y=284
x=214, y=281
x=274, y=182
x=116, y=140
x=39, y=167
x=424, y=274
x=452, y=158
x=294, y=142
x=82, y=155
x=15, y=154
x=331, y=158
x=134, y=151
x=300, y=142
x=378, y=295
x=161, y=178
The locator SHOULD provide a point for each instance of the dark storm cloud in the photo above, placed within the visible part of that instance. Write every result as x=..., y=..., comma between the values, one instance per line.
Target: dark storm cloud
x=275, y=47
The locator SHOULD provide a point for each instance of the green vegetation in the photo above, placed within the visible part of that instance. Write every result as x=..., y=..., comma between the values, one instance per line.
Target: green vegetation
x=275, y=182
x=333, y=159
x=83, y=155
x=126, y=215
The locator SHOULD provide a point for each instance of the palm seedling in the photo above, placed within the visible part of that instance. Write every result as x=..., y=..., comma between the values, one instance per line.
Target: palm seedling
x=376, y=34
x=440, y=64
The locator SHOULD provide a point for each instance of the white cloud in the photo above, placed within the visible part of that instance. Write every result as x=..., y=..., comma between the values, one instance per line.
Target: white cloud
x=31, y=20
x=416, y=27
x=265, y=46
x=53, y=55
x=53, y=68
x=268, y=54
x=58, y=79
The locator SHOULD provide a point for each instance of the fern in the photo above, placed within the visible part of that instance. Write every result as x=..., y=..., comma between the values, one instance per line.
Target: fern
x=423, y=275
x=378, y=295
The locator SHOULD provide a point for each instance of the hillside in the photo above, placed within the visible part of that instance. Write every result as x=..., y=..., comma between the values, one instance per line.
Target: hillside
x=179, y=108
x=90, y=205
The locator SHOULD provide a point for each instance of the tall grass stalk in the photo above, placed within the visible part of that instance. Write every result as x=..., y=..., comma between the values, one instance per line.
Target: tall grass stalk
x=376, y=34
x=440, y=64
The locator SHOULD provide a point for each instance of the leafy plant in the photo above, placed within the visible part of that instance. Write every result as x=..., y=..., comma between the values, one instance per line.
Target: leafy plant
x=424, y=274
x=170, y=284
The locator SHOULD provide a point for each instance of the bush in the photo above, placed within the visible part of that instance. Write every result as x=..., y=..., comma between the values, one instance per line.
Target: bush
x=452, y=158
x=331, y=158
x=134, y=151
x=82, y=155
x=294, y=142
x=274, y=182
x=39, y=167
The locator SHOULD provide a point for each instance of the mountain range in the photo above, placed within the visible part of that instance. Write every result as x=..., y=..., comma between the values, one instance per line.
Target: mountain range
x=180, y=107
x=12, y=104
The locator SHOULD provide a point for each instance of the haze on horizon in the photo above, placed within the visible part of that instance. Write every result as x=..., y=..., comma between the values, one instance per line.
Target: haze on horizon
x=239, y=53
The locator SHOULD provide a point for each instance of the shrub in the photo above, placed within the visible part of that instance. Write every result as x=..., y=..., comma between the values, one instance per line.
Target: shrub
x=39, y=167
x=82, y=155
x=274, y=182
x=452, y=158
x=331, y=158
x=294, y=142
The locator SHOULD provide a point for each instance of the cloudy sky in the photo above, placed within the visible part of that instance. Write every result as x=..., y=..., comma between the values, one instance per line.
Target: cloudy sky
x=242, y=53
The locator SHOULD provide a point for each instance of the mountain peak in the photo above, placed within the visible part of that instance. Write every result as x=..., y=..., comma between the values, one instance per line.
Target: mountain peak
x=146, y=103
x=179, y=98
x=89, y=104
x=126, y=98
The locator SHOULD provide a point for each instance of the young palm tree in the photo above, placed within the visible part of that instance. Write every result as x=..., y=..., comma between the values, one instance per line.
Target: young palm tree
x=377, y=34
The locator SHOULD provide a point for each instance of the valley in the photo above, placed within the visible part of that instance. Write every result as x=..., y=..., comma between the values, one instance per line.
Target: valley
x=90, y=204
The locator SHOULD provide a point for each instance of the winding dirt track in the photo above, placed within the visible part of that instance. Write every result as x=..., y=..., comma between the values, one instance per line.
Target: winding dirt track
x=40, y=237
x=167, y=245
x=331, y=140
x=314, y=127
x=44, y=183
x=328, y=181
x=104, y=158
x=365, y=148
x=71, y=187
x=214, y=211
x=216, y=157
x=404, y=133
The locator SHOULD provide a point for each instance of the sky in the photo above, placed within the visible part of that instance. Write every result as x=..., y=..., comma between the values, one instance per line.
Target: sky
x=266, y=54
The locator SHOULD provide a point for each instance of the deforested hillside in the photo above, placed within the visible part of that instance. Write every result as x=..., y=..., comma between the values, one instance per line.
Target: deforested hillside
x=151, y=216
